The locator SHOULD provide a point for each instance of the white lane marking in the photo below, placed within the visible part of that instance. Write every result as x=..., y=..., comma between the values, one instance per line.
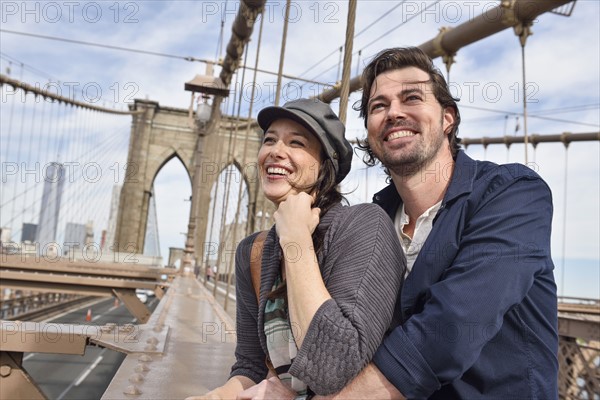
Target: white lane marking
x=88, y=370
x=96, y=317
x=69, y=312
x=82, y=376
x=28, y=356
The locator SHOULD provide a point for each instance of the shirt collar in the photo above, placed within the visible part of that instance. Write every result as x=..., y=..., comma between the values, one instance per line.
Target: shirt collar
x=463, y=176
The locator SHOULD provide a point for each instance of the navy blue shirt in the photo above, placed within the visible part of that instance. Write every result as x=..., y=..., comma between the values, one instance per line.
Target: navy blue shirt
x=479, y=309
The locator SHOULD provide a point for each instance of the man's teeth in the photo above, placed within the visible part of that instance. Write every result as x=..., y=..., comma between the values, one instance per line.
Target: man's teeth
x=277, y=170
x=399, y=134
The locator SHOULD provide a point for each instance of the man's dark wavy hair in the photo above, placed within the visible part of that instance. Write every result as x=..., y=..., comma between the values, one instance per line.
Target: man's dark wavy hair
x=397, y=58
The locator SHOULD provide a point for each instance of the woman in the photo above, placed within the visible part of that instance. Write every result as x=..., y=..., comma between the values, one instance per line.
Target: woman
x=330, y=274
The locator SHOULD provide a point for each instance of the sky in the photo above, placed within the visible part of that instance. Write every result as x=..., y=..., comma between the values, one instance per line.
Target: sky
x=562, y=63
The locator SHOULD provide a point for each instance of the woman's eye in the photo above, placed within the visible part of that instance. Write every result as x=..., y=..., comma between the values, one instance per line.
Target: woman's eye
x=297, y=143
x=268, y=139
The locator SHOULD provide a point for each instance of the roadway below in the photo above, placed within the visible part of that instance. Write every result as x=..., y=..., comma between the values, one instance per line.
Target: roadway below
x=81, y=377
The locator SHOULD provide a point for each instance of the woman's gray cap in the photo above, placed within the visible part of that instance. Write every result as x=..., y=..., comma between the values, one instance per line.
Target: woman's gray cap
x=319, y=119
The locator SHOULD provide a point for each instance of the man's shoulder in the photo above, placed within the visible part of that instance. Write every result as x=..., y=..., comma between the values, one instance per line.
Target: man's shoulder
x=489, y=173
x=484, y=169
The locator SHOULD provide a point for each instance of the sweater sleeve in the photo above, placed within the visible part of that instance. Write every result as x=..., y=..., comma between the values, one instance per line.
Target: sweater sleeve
x=250, y=357
x=366, y=265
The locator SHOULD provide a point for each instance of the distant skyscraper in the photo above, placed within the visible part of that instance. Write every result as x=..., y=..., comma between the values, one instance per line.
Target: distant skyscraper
x=5, y=235
x=74, y=237
x=151, y=243
x=28, y=232
x=54, y=179
x=112, y=218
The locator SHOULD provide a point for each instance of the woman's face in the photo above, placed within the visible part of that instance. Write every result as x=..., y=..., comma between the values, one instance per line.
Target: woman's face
x=289, y=159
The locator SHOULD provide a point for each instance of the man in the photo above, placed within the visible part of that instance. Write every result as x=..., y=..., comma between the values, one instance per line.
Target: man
x=478, y=308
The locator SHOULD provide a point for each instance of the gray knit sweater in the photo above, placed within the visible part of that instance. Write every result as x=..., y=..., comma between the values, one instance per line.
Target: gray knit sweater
x=362, y=265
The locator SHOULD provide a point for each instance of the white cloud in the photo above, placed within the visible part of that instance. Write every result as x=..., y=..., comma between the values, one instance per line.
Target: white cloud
x=562, y=63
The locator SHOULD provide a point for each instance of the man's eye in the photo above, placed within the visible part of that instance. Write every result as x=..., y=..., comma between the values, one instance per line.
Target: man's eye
x=376, y=106
x=413, y=97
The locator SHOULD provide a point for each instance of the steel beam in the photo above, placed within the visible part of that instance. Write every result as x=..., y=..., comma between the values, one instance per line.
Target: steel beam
x=565, y=138
x=15, y=382
x=199, y=348
x=579, y=328
x=509, y=13
x=133, y=304
x=66, y=266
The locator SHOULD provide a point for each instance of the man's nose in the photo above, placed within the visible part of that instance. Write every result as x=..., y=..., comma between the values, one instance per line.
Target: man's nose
x=396, y=111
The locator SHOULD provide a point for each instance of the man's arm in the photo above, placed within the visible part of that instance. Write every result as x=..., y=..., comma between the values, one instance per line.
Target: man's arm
x=503, y=246
x=369, y=384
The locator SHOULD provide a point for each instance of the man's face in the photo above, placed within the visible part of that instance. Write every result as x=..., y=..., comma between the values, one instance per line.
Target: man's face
x=406, y=125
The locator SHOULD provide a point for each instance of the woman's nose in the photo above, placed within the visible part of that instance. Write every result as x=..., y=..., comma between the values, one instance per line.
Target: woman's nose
x=278, y=149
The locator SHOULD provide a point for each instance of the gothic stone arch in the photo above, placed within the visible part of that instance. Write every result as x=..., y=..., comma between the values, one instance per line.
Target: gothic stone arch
x=161, y=133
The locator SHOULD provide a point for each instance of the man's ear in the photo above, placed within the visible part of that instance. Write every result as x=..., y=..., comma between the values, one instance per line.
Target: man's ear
x=449, y=118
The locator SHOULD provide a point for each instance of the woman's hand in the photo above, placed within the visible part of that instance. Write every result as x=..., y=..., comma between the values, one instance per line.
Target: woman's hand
x=295, y=219
x=271, y=388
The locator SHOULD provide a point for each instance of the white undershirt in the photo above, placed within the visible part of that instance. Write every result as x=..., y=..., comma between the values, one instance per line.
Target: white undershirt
x=413, y=245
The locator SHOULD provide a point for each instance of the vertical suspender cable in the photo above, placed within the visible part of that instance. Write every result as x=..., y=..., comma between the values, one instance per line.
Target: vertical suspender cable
x=214, y=200
x=564, y=232
x=337, y=76
x=282, y=54
x=11, y=113
x=254, y=209
x=241, y=181
x=524, y=102
x=39, y=165
x=19, y=158
x=345, y=89
x=28, y=160
x=244, y=154
x=278, y=89
x=523, y=31
x=222, y=233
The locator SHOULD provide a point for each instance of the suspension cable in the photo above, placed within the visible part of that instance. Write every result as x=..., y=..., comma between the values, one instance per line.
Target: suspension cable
x=282, y=53
x=564, y=230
x=241, y=182
x=345, y=89
x=223, y=233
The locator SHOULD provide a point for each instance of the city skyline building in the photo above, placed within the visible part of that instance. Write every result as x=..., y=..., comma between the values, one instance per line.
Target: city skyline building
x=152, y=242
x=28, y=232
x=77, y=236
x=109, y=238
x=54, y=180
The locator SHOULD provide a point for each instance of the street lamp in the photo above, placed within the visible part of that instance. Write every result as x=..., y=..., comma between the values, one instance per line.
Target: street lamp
x=206, y=85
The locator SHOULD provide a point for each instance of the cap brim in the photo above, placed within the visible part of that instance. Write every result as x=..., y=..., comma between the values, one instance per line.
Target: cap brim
x=269, y=114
